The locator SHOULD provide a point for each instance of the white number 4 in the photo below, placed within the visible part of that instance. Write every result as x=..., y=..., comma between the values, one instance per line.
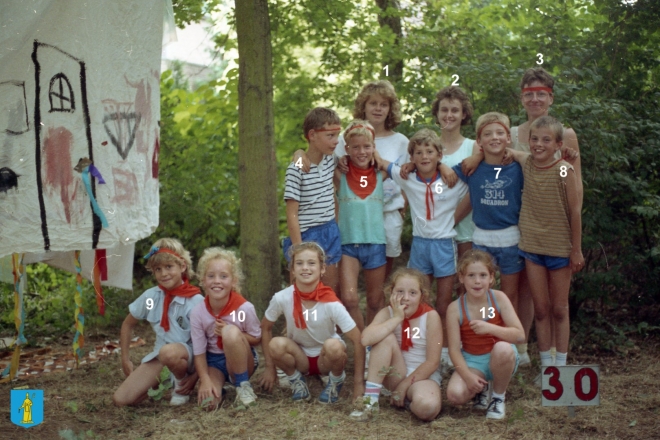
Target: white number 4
x=299, y=163
x=498, y=172
x=363, y=179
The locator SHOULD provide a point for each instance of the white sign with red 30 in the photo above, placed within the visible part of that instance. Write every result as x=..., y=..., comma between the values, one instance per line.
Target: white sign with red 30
x=570, y=385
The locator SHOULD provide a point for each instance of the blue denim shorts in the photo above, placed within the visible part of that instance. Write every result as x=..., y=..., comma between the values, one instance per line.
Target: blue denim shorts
x=550, y=263
x=435, y=256
x=219, y=361
x=506, y=258
x=481, y=362
x=370, y=256
x=326, y=236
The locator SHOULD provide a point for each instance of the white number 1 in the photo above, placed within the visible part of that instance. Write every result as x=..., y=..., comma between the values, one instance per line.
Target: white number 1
x=498, y=172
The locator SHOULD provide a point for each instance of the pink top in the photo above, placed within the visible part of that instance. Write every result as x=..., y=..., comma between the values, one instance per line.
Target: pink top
x=202, y=324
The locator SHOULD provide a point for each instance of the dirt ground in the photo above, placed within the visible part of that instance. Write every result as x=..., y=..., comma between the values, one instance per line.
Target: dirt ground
x=80, y=400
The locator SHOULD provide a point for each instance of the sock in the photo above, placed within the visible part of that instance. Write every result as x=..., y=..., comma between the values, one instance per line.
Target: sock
x=560, y=360
x=176, y=381
x=546, y=358
x=338, y=378
x=372, y=391
x=553, y=352
x=522, y=348
x=294, y=377
x=499, y=396
x=241, y=377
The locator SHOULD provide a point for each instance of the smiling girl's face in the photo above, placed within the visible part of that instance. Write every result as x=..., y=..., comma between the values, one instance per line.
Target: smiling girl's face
x=360, y=151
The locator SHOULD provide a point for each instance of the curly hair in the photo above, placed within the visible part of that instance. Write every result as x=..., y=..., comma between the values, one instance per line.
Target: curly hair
x=476, y=256
x=421, y=279
x=182, y=258
x=216, y=253
x=385, y=89
x=453, y=93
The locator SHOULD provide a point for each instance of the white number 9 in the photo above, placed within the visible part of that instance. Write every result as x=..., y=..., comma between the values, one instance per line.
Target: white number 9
x=150, y=303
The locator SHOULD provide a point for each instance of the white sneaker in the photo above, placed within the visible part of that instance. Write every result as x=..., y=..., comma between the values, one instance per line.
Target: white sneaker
x=369, y=411
x=245, y=395
x=283, y=379
x=178, y=399
x=523, y=359
x=496, y=409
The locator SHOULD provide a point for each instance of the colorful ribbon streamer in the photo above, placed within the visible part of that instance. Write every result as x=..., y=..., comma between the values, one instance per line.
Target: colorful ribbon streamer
x=19, y=317
x=100, y=274
x=78, y=338
x=88, y=188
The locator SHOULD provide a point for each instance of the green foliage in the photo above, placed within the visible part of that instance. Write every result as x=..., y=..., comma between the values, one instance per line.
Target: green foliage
x=164, y=384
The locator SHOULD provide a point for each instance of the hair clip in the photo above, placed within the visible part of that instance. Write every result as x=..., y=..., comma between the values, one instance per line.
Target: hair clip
x=154, y=250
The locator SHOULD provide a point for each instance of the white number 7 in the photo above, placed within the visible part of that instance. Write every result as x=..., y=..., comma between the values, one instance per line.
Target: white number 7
x=498, y=172
x=363, y=179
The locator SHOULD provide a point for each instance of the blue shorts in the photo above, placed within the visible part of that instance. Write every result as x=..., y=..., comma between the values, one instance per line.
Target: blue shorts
x=326, y=236
x=550, y=263
x=506, y=258
x=219, y=362
x=370, y=256
x=435, y=256
x=481, y=362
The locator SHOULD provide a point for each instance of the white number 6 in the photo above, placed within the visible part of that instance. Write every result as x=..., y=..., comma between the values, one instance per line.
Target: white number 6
x=438, y=187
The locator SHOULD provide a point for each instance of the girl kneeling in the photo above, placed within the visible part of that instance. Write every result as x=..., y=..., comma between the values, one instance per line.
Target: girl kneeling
x=485, y=323
x=406, y=341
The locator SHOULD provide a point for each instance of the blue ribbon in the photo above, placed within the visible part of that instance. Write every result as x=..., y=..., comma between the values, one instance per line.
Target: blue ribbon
x=151, y=253
x=88, y=188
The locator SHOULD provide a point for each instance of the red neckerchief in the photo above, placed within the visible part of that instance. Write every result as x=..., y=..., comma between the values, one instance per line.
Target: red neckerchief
x=430, y=202
x=356, y=185
x=185, y=290
x=406, y=340
x=322, y=293
x=234, y=302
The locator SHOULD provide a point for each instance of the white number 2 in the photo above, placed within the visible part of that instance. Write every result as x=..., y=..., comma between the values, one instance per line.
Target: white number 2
x=415, y=333
x=363, y=179
x=498, y=172
x=455, y=77
x=241, y=315
x=150, y=303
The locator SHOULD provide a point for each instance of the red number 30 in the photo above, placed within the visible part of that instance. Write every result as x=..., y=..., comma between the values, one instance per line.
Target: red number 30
x=554, y=382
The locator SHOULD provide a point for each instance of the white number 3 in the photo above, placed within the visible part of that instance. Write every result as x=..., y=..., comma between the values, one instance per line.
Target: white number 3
x=540, y=60
x=363, y=180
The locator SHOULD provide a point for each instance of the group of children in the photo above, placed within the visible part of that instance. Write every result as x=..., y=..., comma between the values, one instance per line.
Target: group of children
x=346, y=213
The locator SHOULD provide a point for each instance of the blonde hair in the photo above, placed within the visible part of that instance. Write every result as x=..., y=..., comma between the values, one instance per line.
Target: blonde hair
x=453, y=93
x=421, y=279
x=492, y=117
x=216, y=253
x=385, y=89
x=359, y=127
x=476, y=256
x=423, y=137
x=174, y=245
x=306, y=246
x=551, y=123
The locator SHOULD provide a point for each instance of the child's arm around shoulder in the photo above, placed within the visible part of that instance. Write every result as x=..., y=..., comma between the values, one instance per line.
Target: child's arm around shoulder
x=518, y=156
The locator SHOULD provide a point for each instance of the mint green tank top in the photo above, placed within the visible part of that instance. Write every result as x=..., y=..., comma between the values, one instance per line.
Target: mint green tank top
x=361, y=220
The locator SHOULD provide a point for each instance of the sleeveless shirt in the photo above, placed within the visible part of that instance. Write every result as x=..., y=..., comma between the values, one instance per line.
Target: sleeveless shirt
x=473, y=343
x=361, y=220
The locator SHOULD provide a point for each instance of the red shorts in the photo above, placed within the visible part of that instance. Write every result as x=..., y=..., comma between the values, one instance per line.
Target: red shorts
x=313, y=366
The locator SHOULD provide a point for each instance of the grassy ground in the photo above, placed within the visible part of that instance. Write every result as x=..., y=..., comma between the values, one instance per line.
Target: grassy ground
x=80, y=400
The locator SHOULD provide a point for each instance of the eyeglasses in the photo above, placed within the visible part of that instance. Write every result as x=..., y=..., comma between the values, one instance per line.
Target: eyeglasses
x=528, y=96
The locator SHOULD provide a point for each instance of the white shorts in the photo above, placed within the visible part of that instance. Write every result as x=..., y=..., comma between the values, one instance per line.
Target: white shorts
x=393, y=228
x=435, y=377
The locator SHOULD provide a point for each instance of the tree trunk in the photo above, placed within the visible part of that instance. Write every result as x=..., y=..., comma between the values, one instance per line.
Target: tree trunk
x=257, y=173
x=393, y=61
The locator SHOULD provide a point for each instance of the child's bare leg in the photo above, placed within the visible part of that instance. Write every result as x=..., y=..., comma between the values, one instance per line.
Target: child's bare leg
x=218, y=381
x=426, y=399
x=175, y=357
x=288, y=356
x=331, y=277
x=333, y=357
x=237, y=351
x=134, y=389
x=374, y=279
x=525, y=303
x=457, y=390
x=384, y=354
x=538, y=280
x=442, y=301
x=560, y=284
x=509, y=285
x=350, y=270
x=502, y=364
x=388, y=266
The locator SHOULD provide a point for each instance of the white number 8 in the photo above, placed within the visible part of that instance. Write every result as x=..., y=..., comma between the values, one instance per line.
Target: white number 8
x=150, y=303
x=563, y=171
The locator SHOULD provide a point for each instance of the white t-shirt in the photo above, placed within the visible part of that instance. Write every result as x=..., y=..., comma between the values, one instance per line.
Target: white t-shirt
x=321, y=322
x=463, y=152
x=446, y=200
x=393, y=148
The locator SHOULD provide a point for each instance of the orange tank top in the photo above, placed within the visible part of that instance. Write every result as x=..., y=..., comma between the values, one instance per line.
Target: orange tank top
x=473, y=343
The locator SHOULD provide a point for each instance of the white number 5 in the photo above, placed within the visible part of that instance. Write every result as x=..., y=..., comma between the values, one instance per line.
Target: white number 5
x=363, y=180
